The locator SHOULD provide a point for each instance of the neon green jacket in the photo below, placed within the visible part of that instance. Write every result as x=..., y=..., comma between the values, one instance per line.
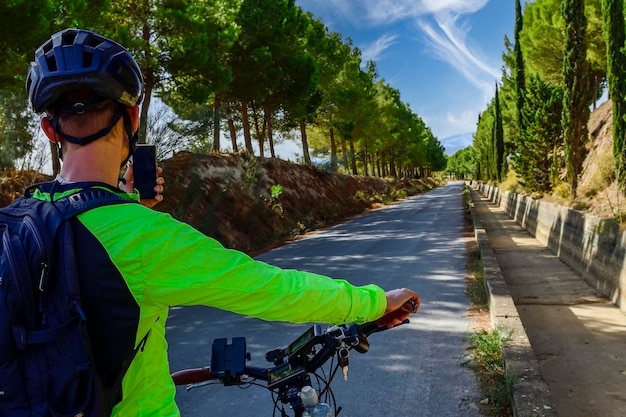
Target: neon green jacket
x=162, y=262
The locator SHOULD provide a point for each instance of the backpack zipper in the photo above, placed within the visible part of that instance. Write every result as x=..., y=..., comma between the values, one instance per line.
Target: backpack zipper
x=43, y=267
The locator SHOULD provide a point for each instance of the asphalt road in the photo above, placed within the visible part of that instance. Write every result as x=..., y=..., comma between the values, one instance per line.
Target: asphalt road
x=412, y=370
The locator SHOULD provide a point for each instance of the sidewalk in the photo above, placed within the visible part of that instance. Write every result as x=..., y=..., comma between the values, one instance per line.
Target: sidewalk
x=568, y=347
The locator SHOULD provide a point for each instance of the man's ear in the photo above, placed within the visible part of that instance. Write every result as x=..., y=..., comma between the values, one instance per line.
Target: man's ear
x=133, y=112
x=46, y=126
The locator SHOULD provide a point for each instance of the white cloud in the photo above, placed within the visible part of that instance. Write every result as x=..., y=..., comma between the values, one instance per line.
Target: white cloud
x=439, y=20
x=451, y=123
x=442, y=31
x=447, y=40
x=375, y=50
x=454, y=6
x=386, y=12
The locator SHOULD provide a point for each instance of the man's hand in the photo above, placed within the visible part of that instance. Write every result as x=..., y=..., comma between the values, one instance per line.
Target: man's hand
x=129, y=186
x=401, y=303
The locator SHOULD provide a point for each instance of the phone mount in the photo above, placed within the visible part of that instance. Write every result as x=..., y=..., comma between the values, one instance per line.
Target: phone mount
x=228, y=361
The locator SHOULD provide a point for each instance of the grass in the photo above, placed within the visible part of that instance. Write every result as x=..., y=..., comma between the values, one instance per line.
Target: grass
x=486, y=360
x=475, y=289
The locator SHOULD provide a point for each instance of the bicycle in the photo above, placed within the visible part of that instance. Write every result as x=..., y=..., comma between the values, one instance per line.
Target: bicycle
x=293, y=365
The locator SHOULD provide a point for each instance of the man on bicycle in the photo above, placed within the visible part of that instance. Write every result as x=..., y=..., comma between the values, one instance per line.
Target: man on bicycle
x=135, y=263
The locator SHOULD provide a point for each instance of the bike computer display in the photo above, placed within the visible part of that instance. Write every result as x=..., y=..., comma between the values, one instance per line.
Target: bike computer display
x=283, y=374
x=303, y=344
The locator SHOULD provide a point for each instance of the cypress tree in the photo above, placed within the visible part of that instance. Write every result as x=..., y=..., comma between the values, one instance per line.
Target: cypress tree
x=576, y=94
x=520, y=73
x=614, y=35
x=542, y=116
x=499, y=139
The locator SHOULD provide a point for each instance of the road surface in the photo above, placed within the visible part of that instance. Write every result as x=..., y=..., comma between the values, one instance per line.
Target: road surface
x=413, y=370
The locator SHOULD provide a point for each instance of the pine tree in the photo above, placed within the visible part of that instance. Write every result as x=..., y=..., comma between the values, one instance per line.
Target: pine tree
x=613, y=24
x=576, y=95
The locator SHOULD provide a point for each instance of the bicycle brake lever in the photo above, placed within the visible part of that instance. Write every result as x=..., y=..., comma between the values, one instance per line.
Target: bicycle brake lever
x=189, y=387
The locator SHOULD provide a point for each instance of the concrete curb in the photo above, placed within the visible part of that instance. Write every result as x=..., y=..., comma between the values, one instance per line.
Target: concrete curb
x=531, y=396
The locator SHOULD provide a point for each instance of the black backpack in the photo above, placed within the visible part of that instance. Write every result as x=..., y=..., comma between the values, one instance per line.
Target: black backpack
x=46, y=367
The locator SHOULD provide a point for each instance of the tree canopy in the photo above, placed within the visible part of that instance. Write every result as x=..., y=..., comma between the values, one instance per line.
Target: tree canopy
x=257, y=70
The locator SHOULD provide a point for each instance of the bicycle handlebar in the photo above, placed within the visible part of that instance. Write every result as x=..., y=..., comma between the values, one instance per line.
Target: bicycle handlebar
x=193, y=376
x=347, y=336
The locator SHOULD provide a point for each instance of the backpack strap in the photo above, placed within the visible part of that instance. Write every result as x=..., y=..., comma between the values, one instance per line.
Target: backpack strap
x=113, y=395
x=50, y=216
x=90, y=196
x=45, y=217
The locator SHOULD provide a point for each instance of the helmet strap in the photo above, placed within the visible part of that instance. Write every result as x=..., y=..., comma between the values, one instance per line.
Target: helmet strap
x=132, y=137
x=120, y=113
x=87, y=139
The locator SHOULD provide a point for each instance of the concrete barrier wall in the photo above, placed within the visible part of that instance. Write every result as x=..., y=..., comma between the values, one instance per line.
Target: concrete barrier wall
x=592, y=246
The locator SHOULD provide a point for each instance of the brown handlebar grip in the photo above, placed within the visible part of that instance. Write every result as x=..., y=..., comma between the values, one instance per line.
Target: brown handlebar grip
x=400, y=314
x=192, y=376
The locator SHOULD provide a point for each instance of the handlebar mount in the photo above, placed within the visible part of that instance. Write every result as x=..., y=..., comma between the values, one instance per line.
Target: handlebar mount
x=292, y=365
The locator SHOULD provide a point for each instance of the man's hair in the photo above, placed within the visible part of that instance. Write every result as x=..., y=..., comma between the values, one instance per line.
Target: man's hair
x=89, y=122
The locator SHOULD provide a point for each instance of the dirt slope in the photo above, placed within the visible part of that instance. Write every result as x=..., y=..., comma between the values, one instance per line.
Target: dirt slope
x=229, y=197
x=597, y=190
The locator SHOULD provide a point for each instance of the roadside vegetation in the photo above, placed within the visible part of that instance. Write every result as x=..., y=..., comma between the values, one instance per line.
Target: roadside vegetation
x=535, y=133
x=484, y=357
x=486, y=360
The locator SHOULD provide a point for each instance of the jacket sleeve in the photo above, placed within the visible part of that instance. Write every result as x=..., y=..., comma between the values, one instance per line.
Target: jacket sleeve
x=169, y=263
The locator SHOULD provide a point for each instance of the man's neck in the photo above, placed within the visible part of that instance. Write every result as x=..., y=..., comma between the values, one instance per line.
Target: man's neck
x=85, y=165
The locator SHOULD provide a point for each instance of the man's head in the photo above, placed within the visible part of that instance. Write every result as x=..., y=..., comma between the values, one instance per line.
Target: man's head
x=79, y=76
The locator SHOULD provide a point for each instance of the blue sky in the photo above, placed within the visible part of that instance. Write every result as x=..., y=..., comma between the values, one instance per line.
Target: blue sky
x=444, y=56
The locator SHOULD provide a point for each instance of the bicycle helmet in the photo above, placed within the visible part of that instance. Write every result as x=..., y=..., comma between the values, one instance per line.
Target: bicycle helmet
x=79, y=59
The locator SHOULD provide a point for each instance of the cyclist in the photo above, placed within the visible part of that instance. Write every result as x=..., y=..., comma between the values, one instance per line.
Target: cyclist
x=135, y=263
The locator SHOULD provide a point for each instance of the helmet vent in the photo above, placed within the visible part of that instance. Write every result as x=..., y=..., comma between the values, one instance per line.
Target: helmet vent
x=75, y=58
x=52, y=63
x=87, y=59
x=93, y=41
x=68, y=38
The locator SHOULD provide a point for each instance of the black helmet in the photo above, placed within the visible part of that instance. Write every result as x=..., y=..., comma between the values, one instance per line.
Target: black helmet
x=79, y=59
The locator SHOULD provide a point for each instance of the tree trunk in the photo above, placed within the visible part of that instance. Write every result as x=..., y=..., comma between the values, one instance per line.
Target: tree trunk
x=217, y=104
x=305, y=144
x=333, y=150
x=245, y=120
x=270, y=137
x=344, y=153
x=233, y=134
x=260, y=130
x=354, y=170
x=148, y=84
x=365, y=164
x=392, y=168
x=56, y=162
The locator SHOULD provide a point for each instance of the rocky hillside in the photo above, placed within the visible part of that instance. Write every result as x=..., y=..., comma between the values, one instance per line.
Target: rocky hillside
x=253, y=204
x=597, y=190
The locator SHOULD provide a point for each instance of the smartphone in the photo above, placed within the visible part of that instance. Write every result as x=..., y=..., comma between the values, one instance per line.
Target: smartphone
x=145, y=170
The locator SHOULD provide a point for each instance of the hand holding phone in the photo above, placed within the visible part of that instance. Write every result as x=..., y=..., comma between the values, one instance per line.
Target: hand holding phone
x=145, y=170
